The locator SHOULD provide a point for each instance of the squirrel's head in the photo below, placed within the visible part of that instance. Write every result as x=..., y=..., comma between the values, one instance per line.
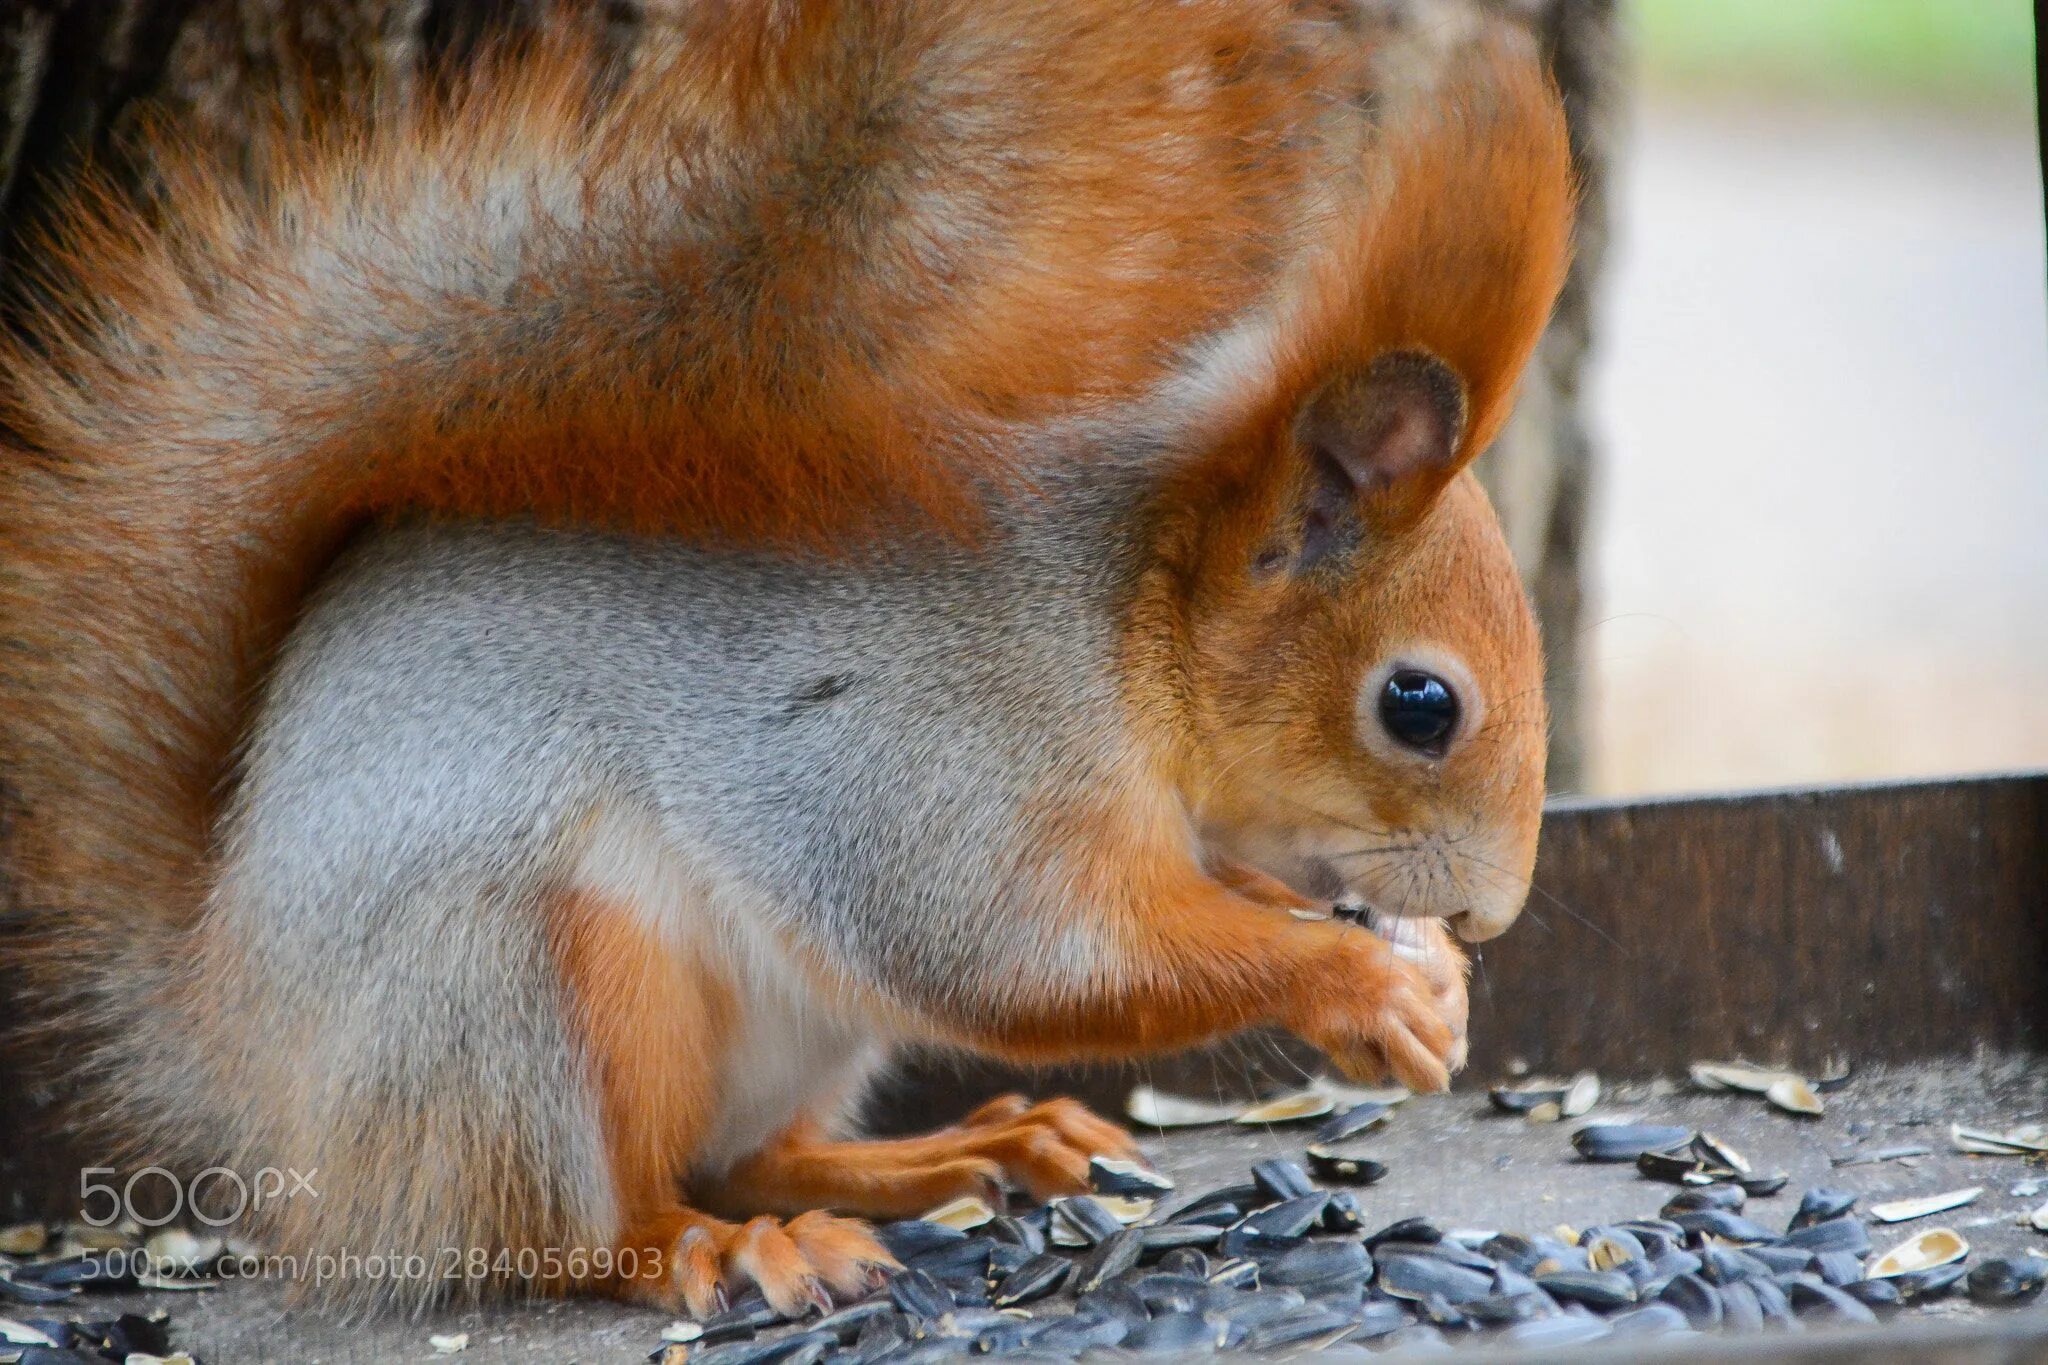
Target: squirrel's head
x=1345, y=646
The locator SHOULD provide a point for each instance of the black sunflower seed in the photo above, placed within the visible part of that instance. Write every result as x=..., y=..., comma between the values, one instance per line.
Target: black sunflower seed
x=1826, y=1302
x=1821, y=1205
x=1343, y=1213
x=1741, y=1310
x=1699, y=1198
x=1601, y=1289
x=1289, y=1219
x=1650, y=1320
x=1109, y=1175
x=1315, y=1266
x=1117, y=1253
x=1836, y=1234
x=913, y=1237
x=1762, y=1185
x=1016, y=1232
x=1353, y=1121
x=1407, y=1230
x=1173, y=1334
x=1309, y=1322
x=1627, y=1141
x=2004, y=1280
x=1920, y=1286
x=1876, y=1293
x=919, y=1295
x=1695, y=1298
x=1164, y=1239
x=1415, y=1277
x=1727, y=1226
x=1279, y=1179
x=1342, y=1168
x=1090, y=1219
x=1035, y=1279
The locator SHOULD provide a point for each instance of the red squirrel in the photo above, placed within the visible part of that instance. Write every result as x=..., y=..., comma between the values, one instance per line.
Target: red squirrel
x=539, y=638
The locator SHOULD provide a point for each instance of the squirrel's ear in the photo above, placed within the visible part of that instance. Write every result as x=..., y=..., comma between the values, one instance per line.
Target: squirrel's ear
x=1379, y=444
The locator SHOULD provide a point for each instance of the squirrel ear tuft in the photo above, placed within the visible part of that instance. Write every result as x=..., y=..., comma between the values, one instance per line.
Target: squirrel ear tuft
x=1380, y=444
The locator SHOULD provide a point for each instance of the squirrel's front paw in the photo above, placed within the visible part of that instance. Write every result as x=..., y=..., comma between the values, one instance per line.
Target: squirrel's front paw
x=1380, y=1006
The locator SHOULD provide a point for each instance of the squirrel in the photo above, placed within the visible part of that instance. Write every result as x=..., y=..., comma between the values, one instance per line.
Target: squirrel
x=542, y=636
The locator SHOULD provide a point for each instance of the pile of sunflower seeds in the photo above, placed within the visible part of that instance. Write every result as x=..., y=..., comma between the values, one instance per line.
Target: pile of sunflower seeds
x=1280, y=1263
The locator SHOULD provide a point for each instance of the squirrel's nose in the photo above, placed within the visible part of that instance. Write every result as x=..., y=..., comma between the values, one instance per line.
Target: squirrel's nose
x=1484, y=922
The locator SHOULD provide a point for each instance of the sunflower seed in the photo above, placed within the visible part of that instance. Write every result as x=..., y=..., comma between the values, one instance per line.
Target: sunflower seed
x=1279, y=1178
x=1115, y=1176
x=1082, y=1220
x=1111, y=1258
x=1626, y=1141
x=1338, y=1167
x=1290, y=1219
x=1836, y=1234
x=1820, y=1205
x=1826, y=1301
x=1035, y=1279
x=1695, y=1298
x=2005, y=1280
x=1599, y=1289
x=1525, y=1095
x=1415, y=1277
x=913, y=1237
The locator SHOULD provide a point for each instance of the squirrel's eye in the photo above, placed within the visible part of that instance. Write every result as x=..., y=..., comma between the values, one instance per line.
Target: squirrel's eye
x=1420, y=710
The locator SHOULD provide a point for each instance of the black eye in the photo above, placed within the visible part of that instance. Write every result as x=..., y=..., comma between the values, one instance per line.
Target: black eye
x=1420, y=710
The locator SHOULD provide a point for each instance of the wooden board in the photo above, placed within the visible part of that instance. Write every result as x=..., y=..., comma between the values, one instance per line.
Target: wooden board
x=1891, y=923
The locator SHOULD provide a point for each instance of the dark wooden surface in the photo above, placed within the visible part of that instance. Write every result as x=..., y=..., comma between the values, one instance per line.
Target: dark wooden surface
x=1894, y=923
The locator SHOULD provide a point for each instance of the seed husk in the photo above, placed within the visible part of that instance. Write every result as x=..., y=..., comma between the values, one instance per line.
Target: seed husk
x=1674, y=1168
x=1751, y=1080
x=1921, y=1286
x=1718, y=1155
x=1763, y=1186
x=24, y=1239
x=1906, y=1210
x=1294, y=1108
x=2038, y=1219
x=966, y=1214
x=1923, y=1251
x=1900, y=1153
x=1626, y=1141
x=1793, y=1095
x=1157, y=1109
x=1983, y=1142
x=1525, y=1095
x=1580, y=1096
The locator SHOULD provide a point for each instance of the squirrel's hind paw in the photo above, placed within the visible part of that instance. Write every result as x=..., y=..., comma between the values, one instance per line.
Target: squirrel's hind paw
x=800, y=1266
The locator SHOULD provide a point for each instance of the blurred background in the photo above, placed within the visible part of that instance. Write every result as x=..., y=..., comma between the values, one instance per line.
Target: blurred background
x=1818, y=537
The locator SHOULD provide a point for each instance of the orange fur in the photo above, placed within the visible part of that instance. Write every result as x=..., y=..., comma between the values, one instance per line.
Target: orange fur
x=792, y=286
